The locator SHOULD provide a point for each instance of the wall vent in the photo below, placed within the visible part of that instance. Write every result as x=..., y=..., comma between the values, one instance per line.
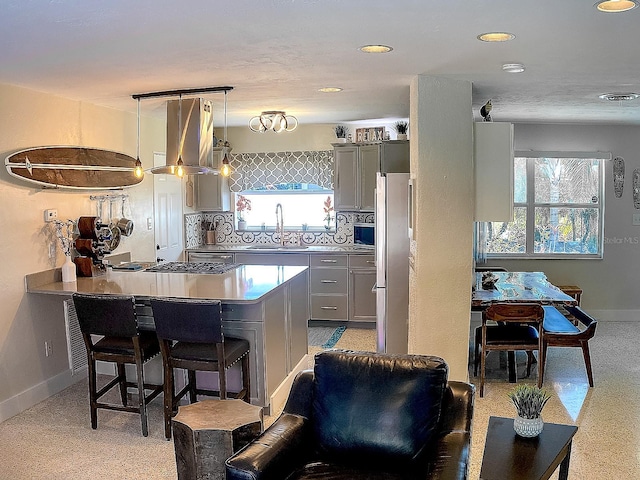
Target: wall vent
x=75, y=343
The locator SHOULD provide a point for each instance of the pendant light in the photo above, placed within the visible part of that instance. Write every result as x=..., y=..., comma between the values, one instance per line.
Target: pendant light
x=226, y=168
x=179, y=163
x=138, y=171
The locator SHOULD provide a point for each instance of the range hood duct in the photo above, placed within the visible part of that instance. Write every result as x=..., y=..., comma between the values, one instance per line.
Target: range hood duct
x=195, y=141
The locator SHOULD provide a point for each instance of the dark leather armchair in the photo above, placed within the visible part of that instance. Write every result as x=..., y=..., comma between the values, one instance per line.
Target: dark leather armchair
x=361, y=415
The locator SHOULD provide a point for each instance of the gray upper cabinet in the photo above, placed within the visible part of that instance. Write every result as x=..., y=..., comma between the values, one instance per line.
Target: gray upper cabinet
x=493, y=165
x=212, y=191
x=355, y=176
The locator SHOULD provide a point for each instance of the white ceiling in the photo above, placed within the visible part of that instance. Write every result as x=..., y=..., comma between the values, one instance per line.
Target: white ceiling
x=277, y=53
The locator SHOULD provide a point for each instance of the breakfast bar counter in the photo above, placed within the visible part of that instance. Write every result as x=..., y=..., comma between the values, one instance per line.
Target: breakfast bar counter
x=265, y=304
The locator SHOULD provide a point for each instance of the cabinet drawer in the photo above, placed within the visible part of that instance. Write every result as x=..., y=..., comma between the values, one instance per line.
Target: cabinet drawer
x=329, y=280
x=247, y=312
x=329, y=307
x=272, y=259
x=195, y=257
x=362, y=261
x=329, y=261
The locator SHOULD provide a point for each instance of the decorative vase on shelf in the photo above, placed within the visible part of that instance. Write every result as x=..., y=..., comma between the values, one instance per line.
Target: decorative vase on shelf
x=68, y=270
x=528, y=427
x=341, y=140
x=402, y=136
x=242, y=224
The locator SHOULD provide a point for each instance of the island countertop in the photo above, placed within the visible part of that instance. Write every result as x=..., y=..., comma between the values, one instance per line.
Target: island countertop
x=245, y=284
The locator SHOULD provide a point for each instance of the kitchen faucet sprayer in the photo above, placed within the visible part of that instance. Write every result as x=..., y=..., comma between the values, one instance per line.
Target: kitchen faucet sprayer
x=280, y=223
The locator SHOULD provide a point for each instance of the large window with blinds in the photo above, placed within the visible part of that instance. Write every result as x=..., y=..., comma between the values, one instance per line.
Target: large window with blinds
x=558, y=208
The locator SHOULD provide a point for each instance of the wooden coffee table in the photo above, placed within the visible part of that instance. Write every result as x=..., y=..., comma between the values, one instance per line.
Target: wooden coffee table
x=507, y=455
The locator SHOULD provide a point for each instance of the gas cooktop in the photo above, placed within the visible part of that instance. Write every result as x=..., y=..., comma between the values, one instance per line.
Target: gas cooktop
x=193, y=267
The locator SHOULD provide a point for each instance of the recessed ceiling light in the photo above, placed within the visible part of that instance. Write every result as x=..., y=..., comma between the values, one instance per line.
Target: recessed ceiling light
x=375, y=49
x=330, y=89
x=616, y=6
x=496, y=37
x=619, y=97
x=513, y=67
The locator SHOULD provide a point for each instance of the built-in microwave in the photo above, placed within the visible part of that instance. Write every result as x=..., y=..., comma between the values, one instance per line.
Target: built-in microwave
x=364, y=234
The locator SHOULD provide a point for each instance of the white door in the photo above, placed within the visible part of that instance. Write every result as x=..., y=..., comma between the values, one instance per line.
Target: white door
x=167, y=208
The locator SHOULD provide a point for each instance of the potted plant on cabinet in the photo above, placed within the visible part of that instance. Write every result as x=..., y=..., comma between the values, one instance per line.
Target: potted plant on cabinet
x=242, y=204
x=529, y=401
x=401, y=127
x=341, y=133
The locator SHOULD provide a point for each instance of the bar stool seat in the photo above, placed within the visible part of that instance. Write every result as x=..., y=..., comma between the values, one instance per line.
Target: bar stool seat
x=191, y=338
x=114, y=317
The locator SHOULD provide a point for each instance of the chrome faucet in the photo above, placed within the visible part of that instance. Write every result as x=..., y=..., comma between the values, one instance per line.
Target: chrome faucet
x=280, y=223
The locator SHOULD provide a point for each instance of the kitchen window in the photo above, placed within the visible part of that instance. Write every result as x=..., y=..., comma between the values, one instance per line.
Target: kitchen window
x=302, y=204
x=558, y=208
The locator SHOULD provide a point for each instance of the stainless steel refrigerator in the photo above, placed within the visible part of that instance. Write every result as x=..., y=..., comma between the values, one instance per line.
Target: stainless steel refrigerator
x=392, y=262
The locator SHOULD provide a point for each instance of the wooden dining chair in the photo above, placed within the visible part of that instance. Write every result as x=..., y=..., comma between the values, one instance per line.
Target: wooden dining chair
x=559, y=331
x=518, y=327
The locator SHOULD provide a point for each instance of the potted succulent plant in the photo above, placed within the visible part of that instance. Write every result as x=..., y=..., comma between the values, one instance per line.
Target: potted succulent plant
x=242, y=204
x=341, y=133
x=401, y=127
x=529, y=401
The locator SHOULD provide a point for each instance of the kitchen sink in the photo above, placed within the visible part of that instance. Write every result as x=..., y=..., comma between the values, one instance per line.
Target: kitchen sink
x=278, y=247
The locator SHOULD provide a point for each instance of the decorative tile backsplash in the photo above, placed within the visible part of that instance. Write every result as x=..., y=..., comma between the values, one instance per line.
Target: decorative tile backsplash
x=196, y=224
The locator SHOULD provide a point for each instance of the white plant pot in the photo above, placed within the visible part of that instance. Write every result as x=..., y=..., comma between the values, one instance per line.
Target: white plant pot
x=528, y=427
x=242, y=224
x=402, y=136
x=68, y=270
x=341, y=140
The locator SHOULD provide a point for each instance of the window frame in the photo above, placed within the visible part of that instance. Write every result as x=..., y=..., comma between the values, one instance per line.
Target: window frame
x=530, y=205
x=270, y=224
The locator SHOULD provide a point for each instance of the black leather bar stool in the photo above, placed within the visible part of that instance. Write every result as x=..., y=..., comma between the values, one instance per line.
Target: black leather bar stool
x=114, y=317
x=191, y=338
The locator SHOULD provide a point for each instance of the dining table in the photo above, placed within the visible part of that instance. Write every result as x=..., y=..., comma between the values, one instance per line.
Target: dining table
x=516, y=287
x=527, y=287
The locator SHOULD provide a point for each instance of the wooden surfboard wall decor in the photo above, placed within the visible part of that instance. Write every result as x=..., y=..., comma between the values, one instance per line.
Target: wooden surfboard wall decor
x=73, y=167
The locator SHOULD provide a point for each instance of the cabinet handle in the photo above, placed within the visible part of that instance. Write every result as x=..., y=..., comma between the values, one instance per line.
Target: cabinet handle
x=328, y=281
x=328, y=308
x=371, y=261
x=328, y=261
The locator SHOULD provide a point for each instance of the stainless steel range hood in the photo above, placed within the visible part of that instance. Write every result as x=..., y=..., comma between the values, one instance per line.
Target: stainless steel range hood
x=194, y=117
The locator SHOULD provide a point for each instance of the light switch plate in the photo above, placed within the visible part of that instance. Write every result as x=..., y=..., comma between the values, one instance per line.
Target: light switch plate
x=636, y=218
x=50, y=215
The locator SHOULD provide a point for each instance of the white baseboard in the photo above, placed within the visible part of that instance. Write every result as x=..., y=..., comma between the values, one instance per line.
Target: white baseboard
x=280, y=394
x=614, y=315
x=36, y=394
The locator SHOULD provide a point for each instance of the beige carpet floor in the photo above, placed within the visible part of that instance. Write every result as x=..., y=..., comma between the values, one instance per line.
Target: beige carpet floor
x=54, y=440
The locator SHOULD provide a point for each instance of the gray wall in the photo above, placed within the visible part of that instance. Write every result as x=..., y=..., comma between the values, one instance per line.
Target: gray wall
x=611, y=285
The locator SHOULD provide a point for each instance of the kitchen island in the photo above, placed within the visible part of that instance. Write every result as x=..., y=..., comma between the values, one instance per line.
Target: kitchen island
x=265, y=304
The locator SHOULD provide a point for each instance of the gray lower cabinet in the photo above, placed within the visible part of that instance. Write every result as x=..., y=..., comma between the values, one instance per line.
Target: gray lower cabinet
x=340, y=285
x=362, y=278
x=329, y=287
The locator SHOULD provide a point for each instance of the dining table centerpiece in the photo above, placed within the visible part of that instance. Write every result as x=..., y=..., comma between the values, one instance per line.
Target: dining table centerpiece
x=529, y=401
